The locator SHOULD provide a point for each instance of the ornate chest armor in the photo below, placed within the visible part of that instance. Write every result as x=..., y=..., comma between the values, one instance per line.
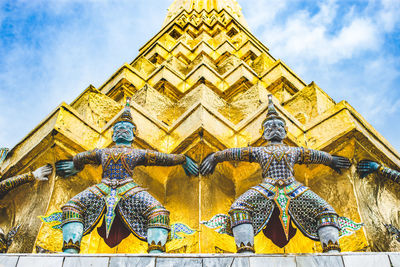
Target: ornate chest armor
x=118, y=164
x=276, y=160
x=277, y=163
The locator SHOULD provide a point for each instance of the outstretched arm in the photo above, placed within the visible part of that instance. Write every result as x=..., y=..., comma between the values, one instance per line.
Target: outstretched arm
x=13, y=182
x=40, y=174
x=310, y=156
x=67, y=168
x=232, y=154
x=154, y=158
x=366, y=167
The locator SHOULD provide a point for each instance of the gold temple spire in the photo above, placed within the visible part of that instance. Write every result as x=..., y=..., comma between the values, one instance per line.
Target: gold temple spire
x=231, y=6
x=203, y=72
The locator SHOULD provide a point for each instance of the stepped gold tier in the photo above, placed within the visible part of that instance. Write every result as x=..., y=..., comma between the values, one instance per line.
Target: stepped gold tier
x=198, y=86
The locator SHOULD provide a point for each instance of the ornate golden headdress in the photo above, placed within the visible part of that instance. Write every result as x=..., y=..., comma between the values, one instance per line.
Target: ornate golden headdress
x=272, y=113
x=126, y=115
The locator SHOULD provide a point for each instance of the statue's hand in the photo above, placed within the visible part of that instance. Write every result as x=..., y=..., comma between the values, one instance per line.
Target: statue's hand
x=42, y=173
x=65, y=168
x=339, y=163
x=191, y=167
x=366, y=167
x=208, y=165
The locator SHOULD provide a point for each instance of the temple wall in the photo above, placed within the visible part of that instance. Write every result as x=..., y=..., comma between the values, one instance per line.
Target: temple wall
x=198, y=86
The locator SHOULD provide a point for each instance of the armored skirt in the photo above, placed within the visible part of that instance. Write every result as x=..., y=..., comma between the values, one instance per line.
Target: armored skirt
x=272, y=209
x=135, y=212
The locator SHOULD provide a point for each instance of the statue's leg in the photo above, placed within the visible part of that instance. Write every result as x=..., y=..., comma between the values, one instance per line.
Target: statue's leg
x=154, y=216
x=329, y=237
x=157, y=228
x=157, y=238
x=317, y=219
x=73, y=222
x=72, y=236
x=147, y=218
x=248, y=212
x=244, y=238
x=328, y=232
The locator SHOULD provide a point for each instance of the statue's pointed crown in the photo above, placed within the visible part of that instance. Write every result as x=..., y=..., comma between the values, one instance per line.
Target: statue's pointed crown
x=126, y=114
x=272, y=114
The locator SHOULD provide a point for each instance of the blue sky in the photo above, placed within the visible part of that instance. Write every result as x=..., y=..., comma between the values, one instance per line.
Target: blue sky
x=50, y=51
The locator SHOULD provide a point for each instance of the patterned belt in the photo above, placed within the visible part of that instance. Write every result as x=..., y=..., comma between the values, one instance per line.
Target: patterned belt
x=116, y=183
x=279, y=182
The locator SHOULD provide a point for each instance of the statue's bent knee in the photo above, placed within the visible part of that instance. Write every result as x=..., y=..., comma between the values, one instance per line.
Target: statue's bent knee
x=72, y=236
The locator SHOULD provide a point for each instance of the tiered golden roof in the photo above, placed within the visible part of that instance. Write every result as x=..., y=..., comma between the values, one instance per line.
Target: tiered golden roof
x=201, y=85
x=186, y=7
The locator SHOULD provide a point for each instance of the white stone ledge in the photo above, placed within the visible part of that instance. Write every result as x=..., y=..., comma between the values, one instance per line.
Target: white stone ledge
x=202, y=260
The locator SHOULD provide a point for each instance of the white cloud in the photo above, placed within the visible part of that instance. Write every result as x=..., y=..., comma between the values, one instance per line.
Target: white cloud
x=389, y=15
x=361, y=35
x=342, y=45
x=88, y=43
x=308, y=37
x=324, y=36
x=262, y=13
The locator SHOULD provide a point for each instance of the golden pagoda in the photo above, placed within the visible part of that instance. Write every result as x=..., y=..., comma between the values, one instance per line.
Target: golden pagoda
x=198, y=86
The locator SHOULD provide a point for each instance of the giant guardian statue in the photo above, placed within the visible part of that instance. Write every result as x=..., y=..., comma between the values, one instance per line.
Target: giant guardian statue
x=279, y=200
x=127, y=207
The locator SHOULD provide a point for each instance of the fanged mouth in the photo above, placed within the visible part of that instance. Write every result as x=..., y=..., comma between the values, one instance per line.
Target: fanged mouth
x=122, y=132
